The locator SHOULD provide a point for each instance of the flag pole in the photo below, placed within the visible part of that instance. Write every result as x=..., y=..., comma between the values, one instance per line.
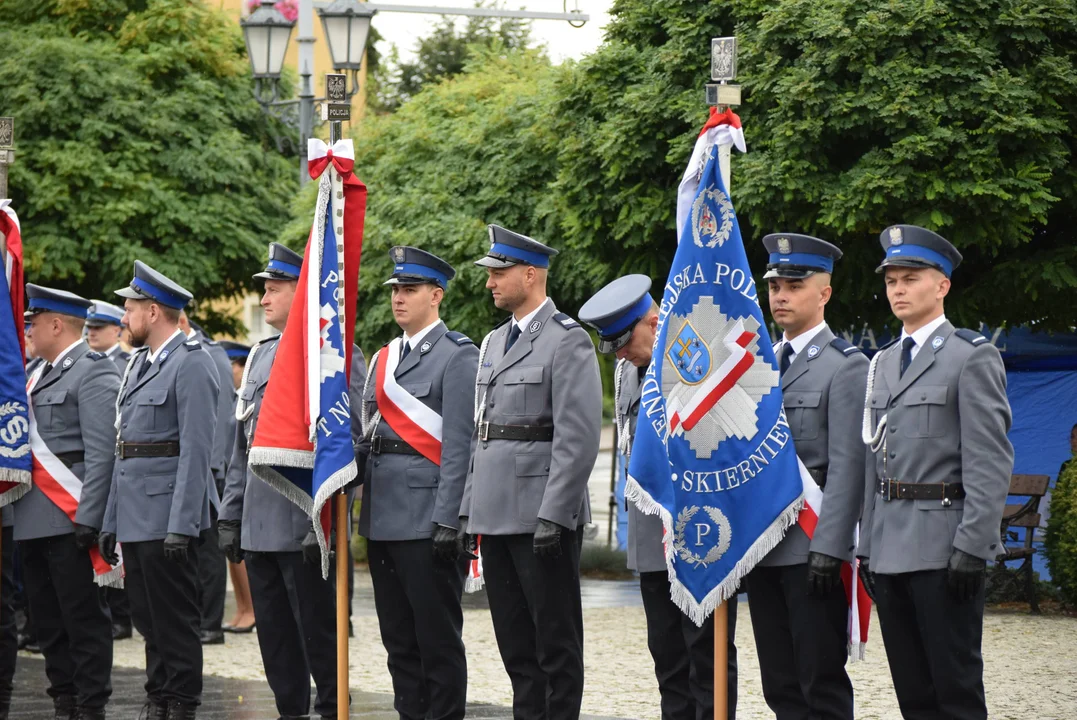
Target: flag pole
x=722, y=95
x=342, y=606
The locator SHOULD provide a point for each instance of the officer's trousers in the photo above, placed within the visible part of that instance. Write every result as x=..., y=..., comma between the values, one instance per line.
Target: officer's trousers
x=212, y=578
x=9, y=636
x=418, y=602
x=933, y=646
x=71, y=619
x=118, y=606
x=164, y=608
x=803, y=644
x=296, y=611
x=538, y=621
x=684, y=653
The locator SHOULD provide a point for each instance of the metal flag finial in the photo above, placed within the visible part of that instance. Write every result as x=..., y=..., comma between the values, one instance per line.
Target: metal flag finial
x=723, y=70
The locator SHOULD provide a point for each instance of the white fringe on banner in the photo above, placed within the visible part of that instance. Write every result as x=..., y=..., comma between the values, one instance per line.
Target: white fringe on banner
x=698, y=612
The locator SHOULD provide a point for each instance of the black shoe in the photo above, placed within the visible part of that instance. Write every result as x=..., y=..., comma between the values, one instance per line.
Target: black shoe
x=237, y=629
x=181, y=711
x=65, y=707
x=25, y=639
x=120, y=631
x=153, y=711
x=212, y=637
x=33, y=646
x=90, y=714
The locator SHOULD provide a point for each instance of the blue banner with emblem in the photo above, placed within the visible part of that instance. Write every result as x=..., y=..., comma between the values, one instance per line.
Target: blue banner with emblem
x=15, y=457
x=713, y=453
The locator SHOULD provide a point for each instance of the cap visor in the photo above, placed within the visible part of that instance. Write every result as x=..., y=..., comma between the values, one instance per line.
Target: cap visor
x=409, y=281
x=907, y=262
x=266, y=275
x=789, y=273
x=495, y=263
x=612, y=345
x=131, y=294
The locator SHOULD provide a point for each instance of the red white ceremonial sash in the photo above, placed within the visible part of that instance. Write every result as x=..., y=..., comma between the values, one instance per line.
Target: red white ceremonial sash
x=855, y=594
x=475, y=580
x=64, y=489
x=415, y=422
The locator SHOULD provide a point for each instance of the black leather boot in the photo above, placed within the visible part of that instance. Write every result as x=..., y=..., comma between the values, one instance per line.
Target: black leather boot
x=65, y=707
x=153, y=711
x=181, y=711
x=90, y=714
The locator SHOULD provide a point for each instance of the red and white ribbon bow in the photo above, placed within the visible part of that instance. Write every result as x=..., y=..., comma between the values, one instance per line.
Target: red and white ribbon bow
x=319, y=155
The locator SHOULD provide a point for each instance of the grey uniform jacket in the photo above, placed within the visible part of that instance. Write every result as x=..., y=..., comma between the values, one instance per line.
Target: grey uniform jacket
x=646, y=552
x=226, y=416
x=270, y=522
x=823, y=390
x=405, y=495
x=75, y=406
x=120, y=358
x=548, y=378
x=947, y=420
x=174, y=401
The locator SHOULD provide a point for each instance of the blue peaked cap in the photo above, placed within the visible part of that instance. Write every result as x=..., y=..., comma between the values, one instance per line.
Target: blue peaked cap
x=148, y=284
x=412, y=266
x=283, y=264
x=508, y=248
x=795, y=256
x=43, y=299
x=913, y=246
x=615, y=309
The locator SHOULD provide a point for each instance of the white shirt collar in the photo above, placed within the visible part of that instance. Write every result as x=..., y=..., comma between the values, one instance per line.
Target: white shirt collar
x=113, y=350
x=155, y=353
x=64, y=353
x=190, y=335
x=921, y=336
x=801, y=341
x=523, y=322
x=413, y=340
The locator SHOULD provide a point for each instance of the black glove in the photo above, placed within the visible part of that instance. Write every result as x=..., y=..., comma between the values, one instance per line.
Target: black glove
x=824, y=572
x=547, y=539
x=444, y=539
x=867, y=578
x=466, y=544
x=85, y=537
x=228, y=535
x=312, y=553
x=965, y=575
x=177, y=547
x=106, y=545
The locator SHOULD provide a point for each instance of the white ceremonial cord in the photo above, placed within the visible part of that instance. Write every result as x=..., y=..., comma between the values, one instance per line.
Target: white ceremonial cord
x=874, y=441
x=368, y=424
x=245, y=411
x=123, y=382
x=623, y=439
x=480, y=406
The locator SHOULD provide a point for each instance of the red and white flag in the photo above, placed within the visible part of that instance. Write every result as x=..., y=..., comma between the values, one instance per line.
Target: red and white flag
x=15, y=460
x=64, y=489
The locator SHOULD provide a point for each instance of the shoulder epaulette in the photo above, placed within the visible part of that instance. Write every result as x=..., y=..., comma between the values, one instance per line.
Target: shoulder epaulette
x=94, y=355
x=192, y=345
x=566, y=321
x=459, y=338
x=970, y=336
x=844, y=346
x=207, y=341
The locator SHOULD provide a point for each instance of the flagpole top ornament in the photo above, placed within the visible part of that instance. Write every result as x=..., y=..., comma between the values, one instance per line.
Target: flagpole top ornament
x=723, y=70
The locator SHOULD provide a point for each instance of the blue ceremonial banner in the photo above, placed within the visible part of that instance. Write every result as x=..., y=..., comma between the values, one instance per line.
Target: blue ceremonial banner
x=713, y=454
x=16, y=461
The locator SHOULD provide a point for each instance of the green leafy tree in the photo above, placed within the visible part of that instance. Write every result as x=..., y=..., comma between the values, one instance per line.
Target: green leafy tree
x=959, y=116
x=442, y=55
x=1060, y=541
x=138, y=139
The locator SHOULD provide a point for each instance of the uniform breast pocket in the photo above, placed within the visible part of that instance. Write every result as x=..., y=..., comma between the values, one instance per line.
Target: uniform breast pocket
x=524, y=390
x=879, y=402
x=925, y=406
x=803, y=411
x=151, y=409
x=48, y=411
x=418, y=389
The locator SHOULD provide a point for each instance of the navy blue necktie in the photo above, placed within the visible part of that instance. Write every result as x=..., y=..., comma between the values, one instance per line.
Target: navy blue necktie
x=787, y=358
x=143, y=368
x=906, y=353
x=514, y=335
x=404, y=350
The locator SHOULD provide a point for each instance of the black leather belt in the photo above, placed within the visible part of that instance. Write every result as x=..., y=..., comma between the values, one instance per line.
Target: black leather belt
x=126, y=450
x=895, y=490
x=383, y=446
x=539, y=433
x=70, y=459
x=819, y=476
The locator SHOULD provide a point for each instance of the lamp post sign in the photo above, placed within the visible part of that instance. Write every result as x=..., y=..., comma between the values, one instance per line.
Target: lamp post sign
x=337, y=106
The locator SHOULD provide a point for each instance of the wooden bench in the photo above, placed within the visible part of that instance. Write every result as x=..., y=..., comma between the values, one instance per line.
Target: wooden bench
x=1024, y=516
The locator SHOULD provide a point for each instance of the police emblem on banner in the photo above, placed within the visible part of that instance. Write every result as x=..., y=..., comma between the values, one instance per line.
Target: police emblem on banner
x=712, y=218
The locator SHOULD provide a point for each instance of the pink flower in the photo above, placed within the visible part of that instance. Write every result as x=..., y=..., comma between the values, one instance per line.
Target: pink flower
x=288, y=8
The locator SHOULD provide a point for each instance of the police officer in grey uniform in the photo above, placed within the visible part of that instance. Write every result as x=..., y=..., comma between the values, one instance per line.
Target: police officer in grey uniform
x=938, y=474
x=104, y=325
x=626, y=318
x=411, y=492
x=160, y=497
x=538, y=418
x=73, y=401
x=800, y=612
x=212, y=566
x=294, y=605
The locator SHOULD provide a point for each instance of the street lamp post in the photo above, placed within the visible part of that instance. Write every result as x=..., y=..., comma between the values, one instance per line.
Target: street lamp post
x=268, y=32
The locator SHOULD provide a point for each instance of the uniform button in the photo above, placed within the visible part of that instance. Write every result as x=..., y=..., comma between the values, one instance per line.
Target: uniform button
x=123, y=472
x=893, y=429
x=893, y=404
x=377, y=463
x=547, y=468
x=491, y=403
x=169, y=486
x=125, y=424
x=923, y=397
x=993, y=546
x=893, y=455
x=800, y=401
